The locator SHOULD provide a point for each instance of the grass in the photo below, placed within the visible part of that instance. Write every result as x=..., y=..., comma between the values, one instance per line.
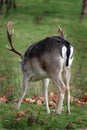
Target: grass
x=52, y=13
x=39, y=120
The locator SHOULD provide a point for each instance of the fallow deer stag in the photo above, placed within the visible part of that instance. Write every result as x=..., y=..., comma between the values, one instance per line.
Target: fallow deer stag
x=49, y=58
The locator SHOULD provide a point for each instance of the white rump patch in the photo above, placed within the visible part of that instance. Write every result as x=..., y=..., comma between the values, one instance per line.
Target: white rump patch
x=71, y=55
x=71, y=51
x=64, y=50
x=64, y=54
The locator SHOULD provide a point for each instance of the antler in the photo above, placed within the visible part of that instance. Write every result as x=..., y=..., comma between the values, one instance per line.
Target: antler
x=61, y=32
x=10, y=33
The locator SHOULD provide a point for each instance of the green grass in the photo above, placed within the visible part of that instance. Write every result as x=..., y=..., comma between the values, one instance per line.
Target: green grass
x=40, y=120
x=52, y=13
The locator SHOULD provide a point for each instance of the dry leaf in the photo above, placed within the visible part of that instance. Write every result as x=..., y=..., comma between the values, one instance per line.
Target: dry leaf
x=3, y=99
x=79, y=119
x=84, y=98
x=26, y=100
x=3, y=78
x=56, y=98
x=51, y=95
x=39, y=102
x=21, y=113
x=18, y=119
x=32, y=101
x=52, y=104
x=29, y=100
x=42, y=99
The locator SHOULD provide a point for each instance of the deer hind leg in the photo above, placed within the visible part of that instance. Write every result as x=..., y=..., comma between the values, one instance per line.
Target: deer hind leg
x=23, y=91
x=62, y=94
x=61, y=86
x=67, y=75
x=45, y=87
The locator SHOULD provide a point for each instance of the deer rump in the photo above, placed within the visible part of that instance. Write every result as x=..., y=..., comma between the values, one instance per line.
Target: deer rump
x=44, y=57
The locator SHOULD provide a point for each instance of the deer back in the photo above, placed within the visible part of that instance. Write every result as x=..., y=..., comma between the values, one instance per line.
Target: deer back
x=47, y=54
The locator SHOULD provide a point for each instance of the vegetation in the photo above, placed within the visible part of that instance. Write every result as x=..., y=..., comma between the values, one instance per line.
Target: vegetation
x=33, y=22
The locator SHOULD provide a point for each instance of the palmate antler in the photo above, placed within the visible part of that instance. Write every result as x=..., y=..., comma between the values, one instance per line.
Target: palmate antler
x=10, y=33
x=61, y=32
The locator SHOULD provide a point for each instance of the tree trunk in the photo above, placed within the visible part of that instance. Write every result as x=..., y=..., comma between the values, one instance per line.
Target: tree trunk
x=84, y=7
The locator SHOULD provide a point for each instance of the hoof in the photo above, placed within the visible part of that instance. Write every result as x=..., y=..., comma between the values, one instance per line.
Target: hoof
x=68, y=112
x=17, y=107
x=58, y=113
x=48, y=112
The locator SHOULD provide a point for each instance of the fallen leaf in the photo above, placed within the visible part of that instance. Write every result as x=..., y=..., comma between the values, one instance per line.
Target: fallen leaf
x=52, y=104
x=73, y=99
x=26, y=100
x=3, y=78
x=3, y=99
x=39, y=102
x=79, y=102
x=32, y=101
x=84, y=98
x=42, y=99
x=18, y=119
x=29, y=100
x=21, y=113
x=51, y=95
x=56, y=98
x=35, y=97
x=79, y=119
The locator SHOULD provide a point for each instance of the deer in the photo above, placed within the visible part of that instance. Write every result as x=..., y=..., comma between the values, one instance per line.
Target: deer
x=50, y=58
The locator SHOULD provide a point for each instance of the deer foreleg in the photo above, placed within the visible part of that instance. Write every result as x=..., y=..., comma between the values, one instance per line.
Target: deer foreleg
x=23, y=92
